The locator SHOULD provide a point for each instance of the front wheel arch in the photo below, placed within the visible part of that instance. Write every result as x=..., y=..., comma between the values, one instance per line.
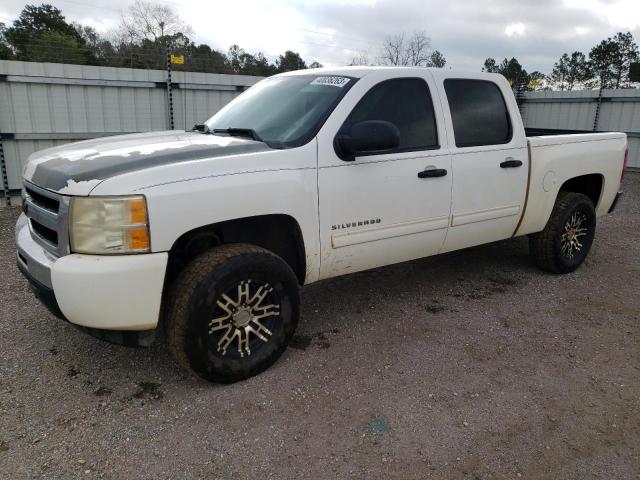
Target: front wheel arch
x=278, y=233
x=203, y=341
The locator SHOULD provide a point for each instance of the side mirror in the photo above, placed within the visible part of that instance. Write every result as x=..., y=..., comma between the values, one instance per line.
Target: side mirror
x=366, y=137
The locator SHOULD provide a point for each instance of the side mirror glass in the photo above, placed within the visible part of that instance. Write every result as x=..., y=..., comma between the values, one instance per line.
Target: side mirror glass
x=366, y=137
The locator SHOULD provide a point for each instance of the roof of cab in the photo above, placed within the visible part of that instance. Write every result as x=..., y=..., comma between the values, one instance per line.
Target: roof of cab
x=359, y=72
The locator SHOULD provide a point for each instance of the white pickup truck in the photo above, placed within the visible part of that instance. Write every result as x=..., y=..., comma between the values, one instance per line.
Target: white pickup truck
x=305, y=176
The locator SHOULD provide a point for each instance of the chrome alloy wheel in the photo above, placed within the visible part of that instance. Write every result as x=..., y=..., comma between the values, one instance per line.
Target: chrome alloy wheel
x=246, y=315
x=574, y=229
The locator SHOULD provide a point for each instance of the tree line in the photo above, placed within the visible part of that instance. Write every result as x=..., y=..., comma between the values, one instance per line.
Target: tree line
x=607, y=65
x=146, y=33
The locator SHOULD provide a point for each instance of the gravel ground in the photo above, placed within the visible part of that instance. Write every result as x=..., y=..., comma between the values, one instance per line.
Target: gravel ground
x=467, y=365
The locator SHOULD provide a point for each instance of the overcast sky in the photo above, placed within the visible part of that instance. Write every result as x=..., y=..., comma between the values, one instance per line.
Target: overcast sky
x=333, y=32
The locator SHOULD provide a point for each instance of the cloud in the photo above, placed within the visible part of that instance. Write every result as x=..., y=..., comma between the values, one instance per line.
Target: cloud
x=468, y=32
x=517, y=29
x=334, y=32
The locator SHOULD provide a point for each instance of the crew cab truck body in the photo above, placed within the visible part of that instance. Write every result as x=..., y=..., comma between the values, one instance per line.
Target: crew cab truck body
x=306, y=176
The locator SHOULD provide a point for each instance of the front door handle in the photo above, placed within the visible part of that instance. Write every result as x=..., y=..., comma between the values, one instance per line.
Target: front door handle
x=510, y=163
x=432, y=172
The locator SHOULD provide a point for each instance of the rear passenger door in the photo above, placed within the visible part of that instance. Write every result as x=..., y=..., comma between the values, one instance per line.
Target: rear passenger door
x=377, y=209
x=489, y=160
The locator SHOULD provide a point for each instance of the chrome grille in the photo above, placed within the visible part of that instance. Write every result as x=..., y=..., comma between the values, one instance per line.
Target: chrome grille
x=48, y=215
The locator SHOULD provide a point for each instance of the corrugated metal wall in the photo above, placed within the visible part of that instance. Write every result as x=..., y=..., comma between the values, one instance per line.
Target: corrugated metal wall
x=46, y=104
x=615, y=110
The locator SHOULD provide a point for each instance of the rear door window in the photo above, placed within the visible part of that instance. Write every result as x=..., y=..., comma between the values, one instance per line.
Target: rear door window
x=479, y=113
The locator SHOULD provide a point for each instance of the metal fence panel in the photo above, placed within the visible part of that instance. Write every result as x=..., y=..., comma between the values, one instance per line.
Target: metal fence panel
x=48, y=104
x=616, y=110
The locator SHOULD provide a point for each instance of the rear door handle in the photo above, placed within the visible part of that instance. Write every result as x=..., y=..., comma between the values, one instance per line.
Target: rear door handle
x=432, y=172
x=510, y=163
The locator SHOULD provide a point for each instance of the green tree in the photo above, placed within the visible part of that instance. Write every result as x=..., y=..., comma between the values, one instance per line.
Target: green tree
x=436, y=59
x=290, y=61
x=611, y=58
x=236, y=57
x=601, y=61
x=56, y=47
x=560, y=72
x=203, y=58
x=244, y=63
x=316, y=65
x=570, y=71
x=5, y=50
x=627, y=54
x=513, y=71
x=258, y=65
x=35, y=24
x=100, y=51
x=579, y=70
x=147, y=31
x=490, y=66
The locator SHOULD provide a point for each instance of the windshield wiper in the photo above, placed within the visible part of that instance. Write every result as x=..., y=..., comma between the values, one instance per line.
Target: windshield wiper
x=239, y=132
x=200, y=127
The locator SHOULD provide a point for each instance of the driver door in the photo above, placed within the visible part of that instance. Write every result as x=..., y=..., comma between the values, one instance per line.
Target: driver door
x=377, y=210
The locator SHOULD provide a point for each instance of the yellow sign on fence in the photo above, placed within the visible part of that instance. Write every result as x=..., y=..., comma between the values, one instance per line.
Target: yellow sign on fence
x=535, y=83
x=177, y=59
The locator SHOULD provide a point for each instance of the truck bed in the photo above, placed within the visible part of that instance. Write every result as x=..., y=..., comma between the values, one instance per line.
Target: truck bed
x=545, y=132
x=555, y=156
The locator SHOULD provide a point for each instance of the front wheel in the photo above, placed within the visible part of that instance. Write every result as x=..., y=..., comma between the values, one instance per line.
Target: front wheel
x=232, y=312
x=566, y=240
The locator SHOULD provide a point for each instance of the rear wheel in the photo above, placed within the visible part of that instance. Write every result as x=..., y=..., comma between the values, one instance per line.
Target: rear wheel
x=232, y=312
x=566, y=240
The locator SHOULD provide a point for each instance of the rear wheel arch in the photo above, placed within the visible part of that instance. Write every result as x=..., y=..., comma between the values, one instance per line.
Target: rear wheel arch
x=572, y=223
x=590, y=185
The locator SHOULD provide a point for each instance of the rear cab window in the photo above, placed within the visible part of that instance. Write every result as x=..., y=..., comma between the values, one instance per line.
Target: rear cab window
x=405, y=102
x=479, y=113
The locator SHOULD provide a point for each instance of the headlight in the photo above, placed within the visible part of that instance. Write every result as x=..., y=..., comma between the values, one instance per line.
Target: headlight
x=109, y=225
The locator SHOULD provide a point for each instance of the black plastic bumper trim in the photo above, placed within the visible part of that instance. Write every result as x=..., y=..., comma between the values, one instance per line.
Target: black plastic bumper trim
x=42, y=293
x=615, y=202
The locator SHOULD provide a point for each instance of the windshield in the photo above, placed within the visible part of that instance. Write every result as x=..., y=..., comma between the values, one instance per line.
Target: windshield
x=284, y=112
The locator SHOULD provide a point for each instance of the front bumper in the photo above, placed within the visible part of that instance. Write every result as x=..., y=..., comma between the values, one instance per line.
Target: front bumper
x=118, y=293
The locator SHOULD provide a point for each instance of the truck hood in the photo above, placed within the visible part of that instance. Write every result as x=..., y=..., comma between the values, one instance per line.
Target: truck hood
x=77, y=168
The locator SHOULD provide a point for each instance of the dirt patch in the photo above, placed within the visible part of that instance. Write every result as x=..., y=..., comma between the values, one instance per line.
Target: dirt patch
x=149, y=390
x=102, y=392
x=318, y=339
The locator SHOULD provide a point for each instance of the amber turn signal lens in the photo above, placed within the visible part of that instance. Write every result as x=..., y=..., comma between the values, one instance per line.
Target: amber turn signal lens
x=139, y=239
x=138, y=210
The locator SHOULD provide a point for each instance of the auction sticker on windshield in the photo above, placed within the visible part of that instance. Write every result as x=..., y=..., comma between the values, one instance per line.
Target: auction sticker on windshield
x=331, y=81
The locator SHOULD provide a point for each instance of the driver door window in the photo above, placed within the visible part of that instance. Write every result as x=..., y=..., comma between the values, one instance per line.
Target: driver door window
x=405, y=102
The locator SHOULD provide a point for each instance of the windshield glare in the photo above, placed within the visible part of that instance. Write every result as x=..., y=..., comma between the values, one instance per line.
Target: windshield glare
x=284, y=111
